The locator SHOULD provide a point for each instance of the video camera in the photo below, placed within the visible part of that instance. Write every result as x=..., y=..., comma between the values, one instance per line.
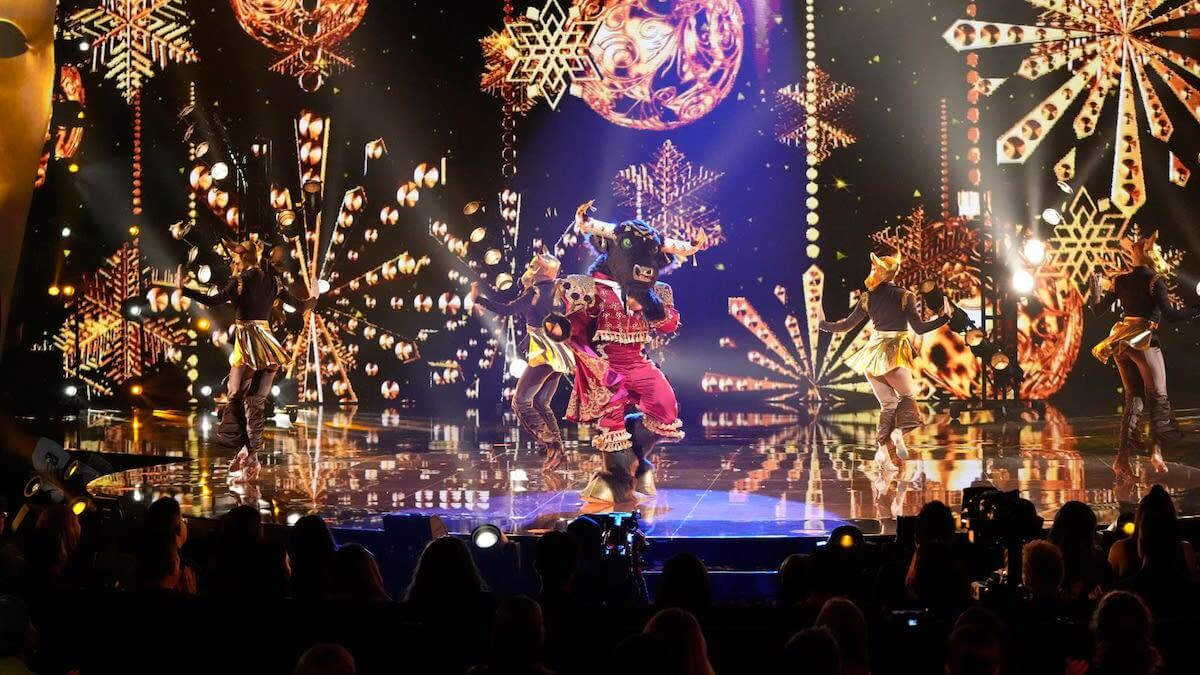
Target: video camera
x=1001, y=523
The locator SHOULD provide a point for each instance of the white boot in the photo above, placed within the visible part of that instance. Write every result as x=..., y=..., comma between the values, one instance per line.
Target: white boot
x=884, y=459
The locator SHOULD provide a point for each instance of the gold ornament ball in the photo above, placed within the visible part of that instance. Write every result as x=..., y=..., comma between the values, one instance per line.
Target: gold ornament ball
x=663, y=69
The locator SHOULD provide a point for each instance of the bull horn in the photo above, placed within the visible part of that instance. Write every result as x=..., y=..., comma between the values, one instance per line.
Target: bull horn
x=591, y=226
x=685, y=249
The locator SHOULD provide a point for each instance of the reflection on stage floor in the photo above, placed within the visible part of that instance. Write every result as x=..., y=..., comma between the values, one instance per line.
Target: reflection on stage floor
x=735, y=475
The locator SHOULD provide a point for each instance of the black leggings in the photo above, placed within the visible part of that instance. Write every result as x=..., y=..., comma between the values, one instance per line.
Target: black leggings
x=531, y=403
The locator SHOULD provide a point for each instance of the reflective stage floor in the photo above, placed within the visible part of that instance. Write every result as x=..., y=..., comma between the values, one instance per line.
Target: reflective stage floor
x=735, y=475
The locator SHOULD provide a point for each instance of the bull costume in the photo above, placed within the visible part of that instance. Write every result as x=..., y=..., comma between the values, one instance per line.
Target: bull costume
x=257, y=356
x=547, y=357
x=887, y=359
x=1133, y=344
x=612, y=313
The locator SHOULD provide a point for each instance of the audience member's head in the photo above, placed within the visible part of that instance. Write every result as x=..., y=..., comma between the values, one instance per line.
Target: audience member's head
x=165, y=519
x=793, y=580
x=445, y=571
x=684, y=583
x=325, y=659
x=311, y=550
x=1158, y=534
x=241, y=528
x=935, y=522
x=937, y=580
x=518, y=634
x=642, y=654
x=812, y=650
x=1074, y=533
x=56, y=538
x=1121, y=636
x=678, y=631
x=974, y=650
x=159, y=564
x=355, y=576
x=846, y=622
x=1041, y=570
x=555, y=557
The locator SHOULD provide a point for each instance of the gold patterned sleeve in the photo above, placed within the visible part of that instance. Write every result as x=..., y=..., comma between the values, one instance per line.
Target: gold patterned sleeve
x=577, y=293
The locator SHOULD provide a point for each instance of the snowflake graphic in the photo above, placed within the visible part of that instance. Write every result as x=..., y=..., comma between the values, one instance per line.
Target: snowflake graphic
x=498, y=58
x=933, y=250
x=100, y=346
x=1107, y=46
x=549, y=51
x=1088, y=239
x=816, y=118
x=672, y=194
x=802, y=369
x=130, y=37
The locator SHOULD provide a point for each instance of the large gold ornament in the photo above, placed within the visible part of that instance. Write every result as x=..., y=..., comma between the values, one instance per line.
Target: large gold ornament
x=305, y=32
x=1108, y=47
x=662, y=68
x=131, y=37
x=938, y=251
x=26, y=83
x=1048, y=340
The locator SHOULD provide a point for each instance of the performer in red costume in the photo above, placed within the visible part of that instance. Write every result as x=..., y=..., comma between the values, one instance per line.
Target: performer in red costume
x=612, y=313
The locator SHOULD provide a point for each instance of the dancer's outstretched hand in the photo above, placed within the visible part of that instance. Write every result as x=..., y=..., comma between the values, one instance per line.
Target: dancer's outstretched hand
x=179, y=277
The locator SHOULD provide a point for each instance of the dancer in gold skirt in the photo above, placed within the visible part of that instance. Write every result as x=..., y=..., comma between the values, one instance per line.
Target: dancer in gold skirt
x=1133, y=345
x=887, y=358
x=257, y=356
x=546, y=356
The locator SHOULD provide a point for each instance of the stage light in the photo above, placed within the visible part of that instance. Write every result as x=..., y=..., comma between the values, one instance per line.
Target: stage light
x=134, y=230
x=53, y=291
x=71, y=391
x=974, y=337
x=79, y=505
x=135, y=309
x=73, y=168
x=999, y=361
x=478, y=234
x=204, y=274
x=517, y=367
x=68, y=290
x=1198, y=288
x=285, y=218
x=812, y=250
x=66, y=232
x=1125, y=524
x=1034, y=251
x=322, y=286
x=1023, y=282
x=486, y=536
x=206, y=391
x=203, y=323
x=845, y=536
x=312, y=186
x=376, y=149
x=1051, y=217
x=136, y=390
x=275, y=390
x=85, y=46
x=220, y=171
x=200, y=178
x=471, y=208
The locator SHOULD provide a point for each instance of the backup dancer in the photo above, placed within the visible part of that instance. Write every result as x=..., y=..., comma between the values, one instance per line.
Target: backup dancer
x=887, y=358
x=257, y=356
x=547, y=357
x=1133, y=344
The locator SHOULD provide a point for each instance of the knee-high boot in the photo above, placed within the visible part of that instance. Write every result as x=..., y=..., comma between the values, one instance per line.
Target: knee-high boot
x=1162, y=420
x=908, y=417
x=256, y=421
x=231, y=428
x=1131, y=433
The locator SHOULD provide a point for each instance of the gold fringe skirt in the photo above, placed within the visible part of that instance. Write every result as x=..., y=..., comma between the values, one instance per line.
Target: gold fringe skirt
x=543, y=350
x=255, y=346
x=885, y=351
x=1131, y=332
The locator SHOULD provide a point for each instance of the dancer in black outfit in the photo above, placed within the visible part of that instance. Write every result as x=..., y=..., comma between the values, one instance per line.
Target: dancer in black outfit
x=1133, y=344
x=547, y=357
x=257, y=355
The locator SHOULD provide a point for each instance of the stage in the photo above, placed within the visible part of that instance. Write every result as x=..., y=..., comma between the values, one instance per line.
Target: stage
x=735, y=475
